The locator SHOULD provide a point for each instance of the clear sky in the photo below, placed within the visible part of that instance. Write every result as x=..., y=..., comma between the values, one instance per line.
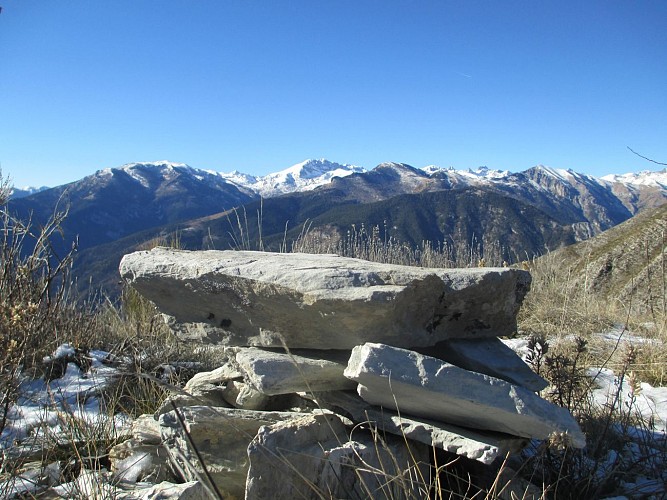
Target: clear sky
x=260, y=85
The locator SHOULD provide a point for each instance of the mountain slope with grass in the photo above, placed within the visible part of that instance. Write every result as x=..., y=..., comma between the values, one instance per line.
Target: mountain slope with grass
x=626, y=263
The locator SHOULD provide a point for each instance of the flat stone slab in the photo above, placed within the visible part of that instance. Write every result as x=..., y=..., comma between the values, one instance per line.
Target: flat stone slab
x=489, y=356
x=274, y=373
x=322, y=301
x=428, y=387
x=482, y=446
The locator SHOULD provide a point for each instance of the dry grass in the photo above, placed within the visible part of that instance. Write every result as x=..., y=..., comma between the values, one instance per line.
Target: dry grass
x=586, y=328
x=561, y=306
x=376, y=245
x=39, y=312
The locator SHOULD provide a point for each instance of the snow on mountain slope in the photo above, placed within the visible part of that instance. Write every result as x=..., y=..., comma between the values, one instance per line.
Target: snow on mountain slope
x=311, y=174
x=244, y=182
x=303, y=176
x=25, y=191
x=644, y=178
x=480, y=173
x=146, y=173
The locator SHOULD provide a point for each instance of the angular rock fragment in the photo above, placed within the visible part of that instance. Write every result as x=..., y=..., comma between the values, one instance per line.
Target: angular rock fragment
x=142, y=457
x=511, y=486
x=192, y=490
x=315, y=457
x=242, y=395
x=489, y=356
x=201, y=395
x=134, y=461
x=99, y=485
x=273, y=372
x=482, y=446
x=322, y=301
x=29, y=480
x=90, y=484
x=205, y=388
x=428, y=387
x=226, y=372
x=146, y=429
x=221, y=436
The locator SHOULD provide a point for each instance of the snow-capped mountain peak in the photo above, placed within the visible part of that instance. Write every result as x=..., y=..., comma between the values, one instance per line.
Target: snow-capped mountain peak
x=303, y=176
x=25, y=191
x=644, y=178
x=132, y=168
x=147, y=172
x=485, y=173
x=558, y=173
x=432, y=169
x=310, y=169
x=313, y=173
x=482, y=173
x=162, y=164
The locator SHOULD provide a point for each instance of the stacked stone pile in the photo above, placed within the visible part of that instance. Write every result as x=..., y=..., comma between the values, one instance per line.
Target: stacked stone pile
x=337, y=375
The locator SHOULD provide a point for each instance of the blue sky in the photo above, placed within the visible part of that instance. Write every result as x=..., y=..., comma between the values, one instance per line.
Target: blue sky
x=258, y=86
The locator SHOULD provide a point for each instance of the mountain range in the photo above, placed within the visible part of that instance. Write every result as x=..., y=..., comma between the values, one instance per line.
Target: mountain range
x=117, y=210
x=25, y=191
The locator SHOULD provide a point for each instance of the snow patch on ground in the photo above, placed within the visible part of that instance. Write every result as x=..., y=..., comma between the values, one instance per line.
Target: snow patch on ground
x=44, y=409
x=645, y=428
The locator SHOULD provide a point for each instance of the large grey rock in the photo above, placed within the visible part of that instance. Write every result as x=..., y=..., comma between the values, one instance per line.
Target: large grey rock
x=221, y=435
x=431, y=388
x=482, y=446
x=315, y=457
x=273, y=372
x=322, y=301
x=489, y=356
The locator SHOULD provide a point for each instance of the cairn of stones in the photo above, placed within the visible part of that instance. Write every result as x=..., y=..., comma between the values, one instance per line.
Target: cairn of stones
x=338, y=378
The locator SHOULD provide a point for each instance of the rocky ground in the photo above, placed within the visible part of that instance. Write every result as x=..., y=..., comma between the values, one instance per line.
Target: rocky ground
x=420, y=375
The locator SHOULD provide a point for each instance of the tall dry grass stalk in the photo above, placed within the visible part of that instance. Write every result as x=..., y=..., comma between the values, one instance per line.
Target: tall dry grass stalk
x=377, y=245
